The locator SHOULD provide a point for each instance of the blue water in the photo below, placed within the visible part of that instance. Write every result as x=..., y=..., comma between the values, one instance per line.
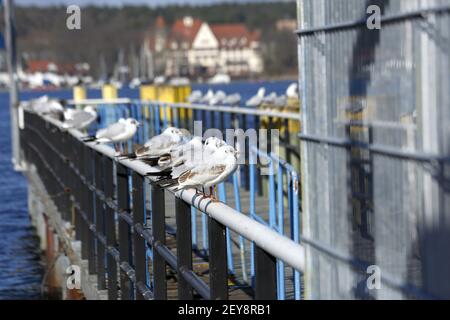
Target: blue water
x=20, y=264
x=21, y=269
x=246, y=89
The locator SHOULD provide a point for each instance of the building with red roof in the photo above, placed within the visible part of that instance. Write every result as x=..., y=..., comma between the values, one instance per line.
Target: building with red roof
x=42, y=66
x=192, y=47
x=239, y=49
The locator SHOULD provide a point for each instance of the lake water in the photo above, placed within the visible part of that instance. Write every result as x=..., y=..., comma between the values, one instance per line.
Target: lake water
x=20, y=264
x=21, y=269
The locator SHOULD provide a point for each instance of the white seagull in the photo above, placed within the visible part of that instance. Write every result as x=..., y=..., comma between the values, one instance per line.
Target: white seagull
x=195, y=96
x=208, y=173
x=181, y=153
x=186, y=157
x=207, y=97
x=233, y=99
x=257, y=99
x=270, y=99
x=161, y=144
x=280, y=101
x=79, y=119
x=292, y=91
x=46, y=106
x=116, y=133
x=218, y=98
x=197, y=154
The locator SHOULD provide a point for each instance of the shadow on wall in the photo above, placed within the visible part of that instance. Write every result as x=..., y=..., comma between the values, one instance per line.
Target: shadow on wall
x=435, y=257
x=360, y=183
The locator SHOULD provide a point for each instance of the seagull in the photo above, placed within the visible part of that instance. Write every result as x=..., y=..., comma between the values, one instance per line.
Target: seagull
x=187, y=154
x=160, y=145
x=193, y=157
x=79, y=119
x=192, y=153
x=292, y=91
x=233, y=99
x=270, y=99
x=214, y=141
x=116, y=133
x=218, y=98
x=68, y=113
x=207, y=97
x=198, y=152
x=195, y=96
x=280, y=101
x=181, y=153
x=257, y=99
x=33, y=103
x=46, y=106
x=207, y=173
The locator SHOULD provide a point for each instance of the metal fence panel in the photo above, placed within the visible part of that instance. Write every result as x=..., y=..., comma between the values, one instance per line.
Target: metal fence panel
x=376, y=188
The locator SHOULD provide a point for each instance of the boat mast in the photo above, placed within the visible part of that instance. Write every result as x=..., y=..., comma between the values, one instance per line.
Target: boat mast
x=11, y=60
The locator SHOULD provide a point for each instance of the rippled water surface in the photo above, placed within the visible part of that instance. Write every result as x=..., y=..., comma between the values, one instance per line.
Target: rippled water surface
x=20, y=265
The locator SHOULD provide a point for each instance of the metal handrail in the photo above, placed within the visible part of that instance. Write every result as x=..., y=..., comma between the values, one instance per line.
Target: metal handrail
x=269, y=240
x=236, y=110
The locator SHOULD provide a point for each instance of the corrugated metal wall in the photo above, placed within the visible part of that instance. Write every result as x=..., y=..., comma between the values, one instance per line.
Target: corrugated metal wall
x=390, y=90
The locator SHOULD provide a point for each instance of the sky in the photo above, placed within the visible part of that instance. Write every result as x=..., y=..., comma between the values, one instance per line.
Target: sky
x=130, y=2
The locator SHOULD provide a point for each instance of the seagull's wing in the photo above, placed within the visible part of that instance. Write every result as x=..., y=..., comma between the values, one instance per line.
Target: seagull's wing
x=201, y=174
x=69, y=113
x=156, y=146
x=79, y=120
x=111, y=131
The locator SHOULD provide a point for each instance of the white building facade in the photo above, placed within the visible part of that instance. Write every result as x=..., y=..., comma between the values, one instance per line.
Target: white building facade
x=196, y=48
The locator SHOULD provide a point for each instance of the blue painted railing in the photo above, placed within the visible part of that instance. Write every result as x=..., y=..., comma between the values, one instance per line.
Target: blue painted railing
x=281, y=182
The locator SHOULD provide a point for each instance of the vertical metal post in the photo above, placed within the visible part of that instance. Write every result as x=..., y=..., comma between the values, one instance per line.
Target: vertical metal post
x=184, y=247
x=287, y=141
x=246, y=176
x=84, y=195
x=110, y=223
x=280, y=225
x=159, y=236
x=66, y=174
x=222, y=121
x=123, y=203
x=296, y=230
x=89, y=209
x=100, y=220
x=218, y=271
x=11, y=60
x=259, y=176
x=223, y=198
x=139, y=243
x=157, y=110
x=265, y=275
x=187, y=119
x=76, y=184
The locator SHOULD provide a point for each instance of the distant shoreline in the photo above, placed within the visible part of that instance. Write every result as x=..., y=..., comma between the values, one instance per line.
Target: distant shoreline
x=268, y=79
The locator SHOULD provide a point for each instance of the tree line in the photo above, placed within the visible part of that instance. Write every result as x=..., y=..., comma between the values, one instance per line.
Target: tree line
x=42, y=32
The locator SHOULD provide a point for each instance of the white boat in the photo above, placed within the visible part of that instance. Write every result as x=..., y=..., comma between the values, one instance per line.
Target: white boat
x=180, y=81
x=220, y=78
x=135, y=83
